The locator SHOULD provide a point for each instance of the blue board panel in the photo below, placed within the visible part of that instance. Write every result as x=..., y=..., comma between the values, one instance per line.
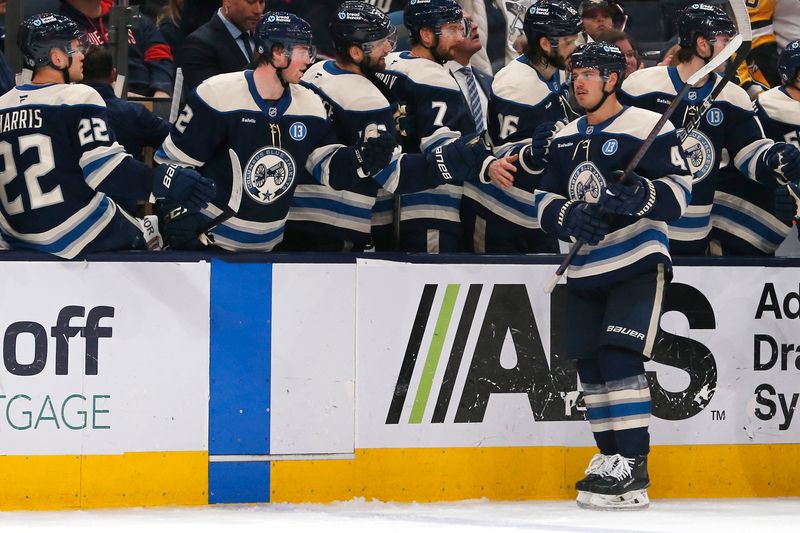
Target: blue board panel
x=238, y=482
x=241, y=332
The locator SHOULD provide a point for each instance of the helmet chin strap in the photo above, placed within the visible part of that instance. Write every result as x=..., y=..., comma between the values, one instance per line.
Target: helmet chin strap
x=606, y=94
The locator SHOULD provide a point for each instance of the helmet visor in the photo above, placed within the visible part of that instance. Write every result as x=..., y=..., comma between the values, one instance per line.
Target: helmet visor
x=457, y=28
x=79, y=44
x=302, y=52
x=389, y=41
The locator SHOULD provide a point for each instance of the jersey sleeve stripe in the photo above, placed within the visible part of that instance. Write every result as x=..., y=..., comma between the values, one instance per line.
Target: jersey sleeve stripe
x=99, y=170
x=318, y=164
x=170, y=154
x=438, y=138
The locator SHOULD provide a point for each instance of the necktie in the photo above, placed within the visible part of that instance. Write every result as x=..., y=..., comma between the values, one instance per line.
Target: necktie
x=248, y=49
x=474, y=98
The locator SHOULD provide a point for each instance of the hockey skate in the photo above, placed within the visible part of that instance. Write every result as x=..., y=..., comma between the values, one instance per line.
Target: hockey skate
x=598, y=467
x=624, y=485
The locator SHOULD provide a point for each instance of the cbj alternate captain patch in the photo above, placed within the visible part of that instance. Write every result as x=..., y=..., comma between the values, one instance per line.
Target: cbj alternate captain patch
x=585, y=183
x=269, y=174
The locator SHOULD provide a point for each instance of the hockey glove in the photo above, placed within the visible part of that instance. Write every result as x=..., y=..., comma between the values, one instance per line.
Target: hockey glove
x=785, y=208
x=404, y=122
x=784, y=160
x=534, y=156
x=374, y=152
x=636, y=197
x=179, y=227
x=184, y=186
x=581, y=221
x=456, y=161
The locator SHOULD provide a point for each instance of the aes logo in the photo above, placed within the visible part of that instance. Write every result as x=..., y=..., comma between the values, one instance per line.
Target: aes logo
x=550, y=383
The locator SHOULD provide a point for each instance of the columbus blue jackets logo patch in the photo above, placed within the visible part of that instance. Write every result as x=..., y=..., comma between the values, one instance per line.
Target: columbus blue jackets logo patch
x=700, y=154
x=585, y=183
x=269, y=174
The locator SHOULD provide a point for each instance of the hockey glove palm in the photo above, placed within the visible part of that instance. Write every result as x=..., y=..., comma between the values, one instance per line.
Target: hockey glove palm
x=374, y=152
x=784, y=160
x=184, y=186
x=636, y=197
x=581, y=221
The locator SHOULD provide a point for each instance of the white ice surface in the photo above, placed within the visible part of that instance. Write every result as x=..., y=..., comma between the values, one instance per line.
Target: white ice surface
x=702, y=516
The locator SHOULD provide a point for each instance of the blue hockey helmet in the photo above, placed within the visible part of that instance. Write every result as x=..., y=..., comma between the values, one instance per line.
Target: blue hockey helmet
x=277, y=28
x=789, y=63
x=603, y=56
x=40, y=34
x=703, y=19
x=551, y=18
x=359, y=23
x=432, y=14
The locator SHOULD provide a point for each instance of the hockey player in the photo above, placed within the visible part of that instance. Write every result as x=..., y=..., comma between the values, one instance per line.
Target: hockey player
x=750, y=218
x=730, y=124
x=430, y=220
x=616, y=283
x=530, y=97
x=280, y=133
x=59, y=158
x=327, y=220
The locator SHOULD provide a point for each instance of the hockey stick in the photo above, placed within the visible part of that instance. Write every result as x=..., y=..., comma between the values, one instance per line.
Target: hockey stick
x=234, y=202
x=743, y=21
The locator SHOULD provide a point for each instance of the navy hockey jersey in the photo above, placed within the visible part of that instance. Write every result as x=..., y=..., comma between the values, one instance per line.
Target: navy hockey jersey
x=730, y=124
x=276, y=143
x=521, y=100
x=354, y=102
x=743, y=217
x=57, y=158
x=440, y=115
x=582, y=157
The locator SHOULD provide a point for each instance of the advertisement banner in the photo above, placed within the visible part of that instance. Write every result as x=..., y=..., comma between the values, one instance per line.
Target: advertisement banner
x=471, y=356
x=103, y=358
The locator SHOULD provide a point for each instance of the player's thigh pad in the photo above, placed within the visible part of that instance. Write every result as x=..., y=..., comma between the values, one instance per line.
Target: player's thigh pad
x=585, y=312
x=633, y=312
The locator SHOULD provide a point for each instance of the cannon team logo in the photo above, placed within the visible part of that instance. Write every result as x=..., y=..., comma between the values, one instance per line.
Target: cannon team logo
x=700, y=154
x=585, y=183
x=269, y=174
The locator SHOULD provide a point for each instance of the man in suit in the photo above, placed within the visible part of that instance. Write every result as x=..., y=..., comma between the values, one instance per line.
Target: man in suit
x=471, y=80
x=223, y=44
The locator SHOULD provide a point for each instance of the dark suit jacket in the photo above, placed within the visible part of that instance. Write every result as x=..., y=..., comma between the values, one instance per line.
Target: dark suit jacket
x=208, y=51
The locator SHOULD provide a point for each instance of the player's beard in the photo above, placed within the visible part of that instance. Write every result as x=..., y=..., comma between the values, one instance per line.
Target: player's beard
x=554, y=59
x=438, y=55
x=370, y=66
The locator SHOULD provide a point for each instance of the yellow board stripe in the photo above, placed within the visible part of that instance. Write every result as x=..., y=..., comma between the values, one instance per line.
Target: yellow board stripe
x=531, y=473
x=126, y=480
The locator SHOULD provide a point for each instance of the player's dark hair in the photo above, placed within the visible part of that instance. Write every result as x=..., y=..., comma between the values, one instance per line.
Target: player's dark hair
x=98, y=65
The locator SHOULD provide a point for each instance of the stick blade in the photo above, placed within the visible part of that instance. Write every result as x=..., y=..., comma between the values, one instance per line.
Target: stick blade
x=237, y=180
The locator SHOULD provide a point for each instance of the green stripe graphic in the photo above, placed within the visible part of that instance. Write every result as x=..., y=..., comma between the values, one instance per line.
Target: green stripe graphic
x=434, y=352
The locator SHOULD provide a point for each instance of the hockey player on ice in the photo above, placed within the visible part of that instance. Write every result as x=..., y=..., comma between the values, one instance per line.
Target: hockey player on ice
x=59, y=159
x=616, y=283
x=280, y=133
x=703, y=32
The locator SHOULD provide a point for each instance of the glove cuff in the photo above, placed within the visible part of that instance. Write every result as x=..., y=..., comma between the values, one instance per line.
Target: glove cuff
x=562, y=213
x=651, y=199
x=526, y=165
x=483, y=175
